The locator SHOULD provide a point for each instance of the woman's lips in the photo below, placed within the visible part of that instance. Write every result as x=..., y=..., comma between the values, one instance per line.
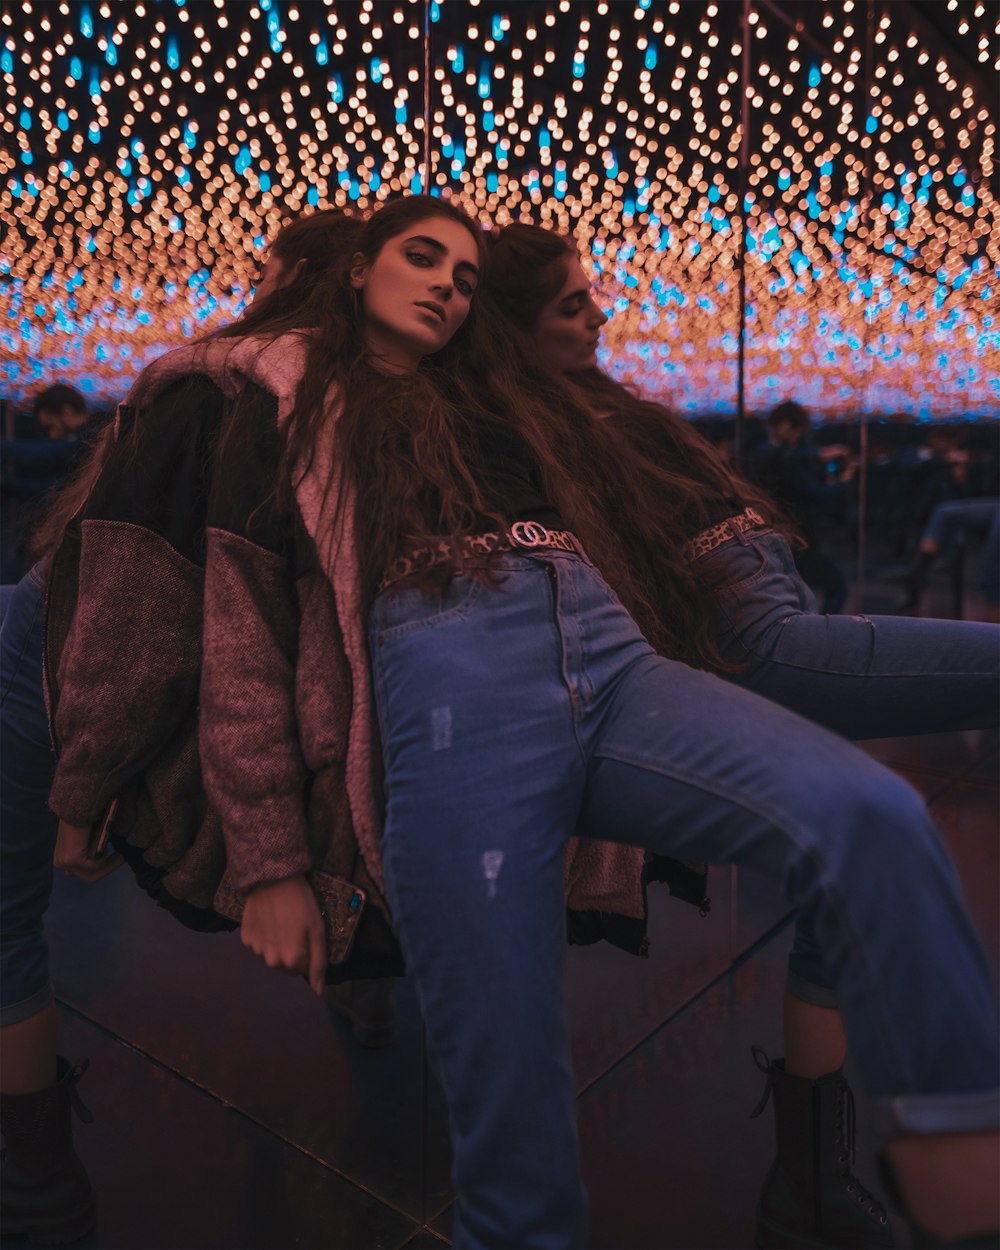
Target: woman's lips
x=430, y=306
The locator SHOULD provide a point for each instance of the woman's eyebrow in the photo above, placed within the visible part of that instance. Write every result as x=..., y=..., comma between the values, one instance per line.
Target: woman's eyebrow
x=582, y=293
x=442, y=250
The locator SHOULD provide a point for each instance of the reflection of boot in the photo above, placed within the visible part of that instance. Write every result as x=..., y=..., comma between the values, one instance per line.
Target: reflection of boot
x=810, y=1197
x=370, y=1006
x=44, y=1191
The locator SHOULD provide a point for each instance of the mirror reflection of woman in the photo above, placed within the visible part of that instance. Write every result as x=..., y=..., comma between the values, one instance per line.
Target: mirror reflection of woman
x=45, y=1189
x=864, y=677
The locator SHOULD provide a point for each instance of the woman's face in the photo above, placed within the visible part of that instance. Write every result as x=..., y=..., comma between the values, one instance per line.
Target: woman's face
x=276, y=274
x=568, y=327
x=418, y=290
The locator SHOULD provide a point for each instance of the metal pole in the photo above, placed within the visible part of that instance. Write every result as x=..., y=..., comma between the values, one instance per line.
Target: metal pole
x=869, y=368
x=425, y=177
x=744, y=184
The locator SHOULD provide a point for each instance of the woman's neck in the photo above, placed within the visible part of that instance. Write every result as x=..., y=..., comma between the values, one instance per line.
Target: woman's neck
x=390, y=356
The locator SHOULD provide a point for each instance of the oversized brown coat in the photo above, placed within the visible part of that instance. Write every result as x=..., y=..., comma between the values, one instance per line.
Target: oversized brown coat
x=213, y=674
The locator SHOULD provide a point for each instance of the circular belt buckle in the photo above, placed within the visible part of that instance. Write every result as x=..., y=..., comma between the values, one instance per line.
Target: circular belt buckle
x=529, y=534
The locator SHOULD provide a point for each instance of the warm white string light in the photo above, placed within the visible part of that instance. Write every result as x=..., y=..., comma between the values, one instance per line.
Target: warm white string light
x=150, y=149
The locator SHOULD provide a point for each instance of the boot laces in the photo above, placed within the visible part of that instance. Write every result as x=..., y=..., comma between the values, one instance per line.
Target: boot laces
x=846, y=1126
x=764, y=1065
x=75, y=1101
x=846, y=1145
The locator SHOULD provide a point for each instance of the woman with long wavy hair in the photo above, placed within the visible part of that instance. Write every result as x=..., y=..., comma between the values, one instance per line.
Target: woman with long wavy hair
x=414, y=678
x=44, y=1189
x=752, y=618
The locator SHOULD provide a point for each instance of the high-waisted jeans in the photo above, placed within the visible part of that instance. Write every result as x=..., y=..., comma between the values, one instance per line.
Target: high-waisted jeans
x=863, y=676
x=511, y=719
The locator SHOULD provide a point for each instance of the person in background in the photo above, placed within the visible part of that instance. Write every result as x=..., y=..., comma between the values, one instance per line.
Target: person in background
x=62, y=429
x=794, y=473
x=951, y=525
x=61, y=411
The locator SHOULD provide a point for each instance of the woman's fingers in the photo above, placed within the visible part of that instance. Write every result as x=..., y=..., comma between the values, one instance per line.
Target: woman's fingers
x=283, y=925
x=72, y=855
x=99, y=868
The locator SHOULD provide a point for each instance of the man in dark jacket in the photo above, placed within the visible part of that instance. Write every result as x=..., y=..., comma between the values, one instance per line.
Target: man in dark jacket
x=793, y=471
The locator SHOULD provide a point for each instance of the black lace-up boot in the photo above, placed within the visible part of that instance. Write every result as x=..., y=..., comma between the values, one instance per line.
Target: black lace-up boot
x=810, y=1196
x=45, y=1193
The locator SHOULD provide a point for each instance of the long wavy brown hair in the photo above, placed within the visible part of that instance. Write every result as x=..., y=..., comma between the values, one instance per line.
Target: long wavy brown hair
x=678, y=484
x=405, y=442
x=325, y=240
x=395, y=438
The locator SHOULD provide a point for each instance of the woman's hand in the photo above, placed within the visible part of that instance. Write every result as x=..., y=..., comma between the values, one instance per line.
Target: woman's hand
x=73, y=857
x=283, y=925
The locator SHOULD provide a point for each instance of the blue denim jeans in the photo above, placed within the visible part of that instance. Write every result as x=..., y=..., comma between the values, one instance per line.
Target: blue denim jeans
x=863, y=676
x=511, y=719
x=954, y=520
x=949, y=521
x=27, y=826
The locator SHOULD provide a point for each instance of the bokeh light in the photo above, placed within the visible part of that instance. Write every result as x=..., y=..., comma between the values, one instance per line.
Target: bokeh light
x=151, y=148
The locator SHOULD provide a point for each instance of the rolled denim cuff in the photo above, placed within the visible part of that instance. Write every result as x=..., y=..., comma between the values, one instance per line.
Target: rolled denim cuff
x=14, y=1013
x=920, y=1114
x=810, y=992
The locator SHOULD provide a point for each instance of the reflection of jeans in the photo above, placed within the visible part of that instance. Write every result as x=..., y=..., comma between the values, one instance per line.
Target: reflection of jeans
x=27, y=826
x=949, y=521
x=513, y=718
x=865, y=677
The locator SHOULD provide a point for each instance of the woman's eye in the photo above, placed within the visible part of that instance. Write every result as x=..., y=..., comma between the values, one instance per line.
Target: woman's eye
x=573, y=310
x=465, y=287
x=418, y=258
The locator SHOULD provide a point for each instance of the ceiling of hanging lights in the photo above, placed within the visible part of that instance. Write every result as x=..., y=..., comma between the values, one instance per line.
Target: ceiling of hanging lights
x=150, y=149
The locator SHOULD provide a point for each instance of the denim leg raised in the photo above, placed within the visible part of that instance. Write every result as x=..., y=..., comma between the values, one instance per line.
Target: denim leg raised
x=27, y=825
x=513, y=718
x=862, y=676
